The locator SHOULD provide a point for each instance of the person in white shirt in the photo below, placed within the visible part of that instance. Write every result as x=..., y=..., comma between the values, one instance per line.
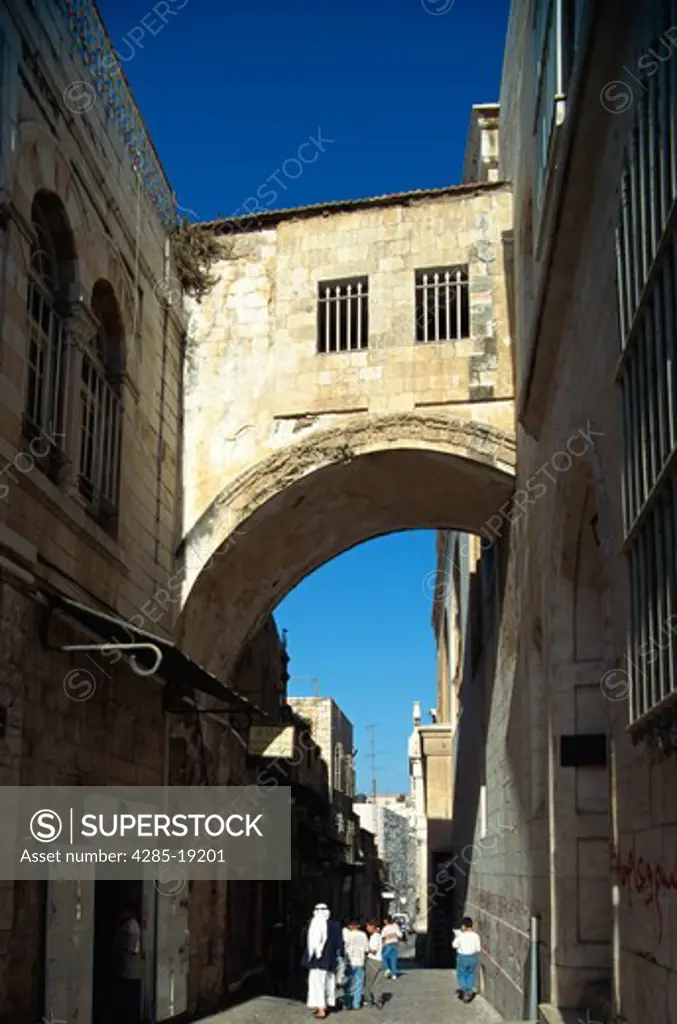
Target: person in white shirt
x=390, y=935
x=374, y=961
x=467, y=945
x=356, y=945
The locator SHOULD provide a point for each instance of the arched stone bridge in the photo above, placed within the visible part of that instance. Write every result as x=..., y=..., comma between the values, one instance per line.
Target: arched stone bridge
x=313, y=423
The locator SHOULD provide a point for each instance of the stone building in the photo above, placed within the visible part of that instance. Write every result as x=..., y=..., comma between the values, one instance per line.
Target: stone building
x=333, y=733
x=431, y=783
x=389, y=817
x=434, y=751
x=91, y=367
x=565, y=770
x=343, y=348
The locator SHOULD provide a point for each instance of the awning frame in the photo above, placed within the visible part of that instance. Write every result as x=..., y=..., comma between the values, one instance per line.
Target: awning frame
x=103, y=648
x=180, y=674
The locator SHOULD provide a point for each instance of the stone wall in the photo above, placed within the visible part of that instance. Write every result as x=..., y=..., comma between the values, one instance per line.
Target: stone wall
x=117, y=238
x=293, y=456
x=77, y=718
x=255, y=381
x=96, y=727
x=566, y=841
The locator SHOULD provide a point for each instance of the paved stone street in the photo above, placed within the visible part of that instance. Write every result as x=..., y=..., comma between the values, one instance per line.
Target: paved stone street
x=417, y=997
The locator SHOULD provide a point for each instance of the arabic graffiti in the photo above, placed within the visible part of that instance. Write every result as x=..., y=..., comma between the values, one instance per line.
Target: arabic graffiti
x=639, y=876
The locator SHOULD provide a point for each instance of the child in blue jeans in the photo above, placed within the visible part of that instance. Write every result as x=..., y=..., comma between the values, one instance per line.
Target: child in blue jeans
x=467, y=945
x=356, y=945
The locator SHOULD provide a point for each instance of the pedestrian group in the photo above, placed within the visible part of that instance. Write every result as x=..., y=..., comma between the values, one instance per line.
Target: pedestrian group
x=352, y=958
x=356, y=959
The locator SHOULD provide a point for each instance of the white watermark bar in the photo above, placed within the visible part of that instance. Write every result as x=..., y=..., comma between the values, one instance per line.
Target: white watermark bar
x=134, y=832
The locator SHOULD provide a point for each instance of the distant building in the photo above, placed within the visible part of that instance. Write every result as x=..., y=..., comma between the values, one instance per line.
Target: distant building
x=390, y=819
x=333, y=733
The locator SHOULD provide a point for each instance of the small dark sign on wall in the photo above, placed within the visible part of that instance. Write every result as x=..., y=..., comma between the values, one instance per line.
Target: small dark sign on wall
x=583, y=751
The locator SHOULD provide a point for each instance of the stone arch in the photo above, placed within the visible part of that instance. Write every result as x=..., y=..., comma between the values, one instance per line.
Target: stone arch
x=54, y=255
x=40, y=164
x=111, y=336
x=104, y=261
x=310, y=501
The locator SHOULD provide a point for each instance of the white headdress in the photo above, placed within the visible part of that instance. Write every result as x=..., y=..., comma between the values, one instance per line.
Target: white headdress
x=317, y=932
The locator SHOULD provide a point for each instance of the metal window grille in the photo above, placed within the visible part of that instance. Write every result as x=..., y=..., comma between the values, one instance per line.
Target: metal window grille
x=100, y=434
x=548, y=87
x=348, y=775
x=343, y=315
x=442, y=304
x=48, y=358
x=556, y=30
x=338, y=766
x=646, y=252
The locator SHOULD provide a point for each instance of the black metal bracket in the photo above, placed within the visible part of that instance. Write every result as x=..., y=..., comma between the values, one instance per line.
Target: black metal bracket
x=177, y=700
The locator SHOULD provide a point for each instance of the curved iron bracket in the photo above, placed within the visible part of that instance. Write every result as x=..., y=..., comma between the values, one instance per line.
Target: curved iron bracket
x=137, y=668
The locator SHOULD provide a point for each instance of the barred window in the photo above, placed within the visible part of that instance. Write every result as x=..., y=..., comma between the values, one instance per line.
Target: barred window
x=442, y=304
x=556, y=30
x=646, y=249
x=343, y=315
x=349, y=775
x=338, y=767
x=101, y=407
x=48, y=354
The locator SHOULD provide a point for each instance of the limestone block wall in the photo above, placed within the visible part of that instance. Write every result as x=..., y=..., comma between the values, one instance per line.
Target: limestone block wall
x=119, y=238
x=73, y=719
x=331, y=730
x=573, y=838
x=101, y=728
x=254, y=380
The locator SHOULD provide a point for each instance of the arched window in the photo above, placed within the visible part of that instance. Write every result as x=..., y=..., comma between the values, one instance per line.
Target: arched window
x=338, y=767
x=349, y=774
x=101, y=406
x=51, y=265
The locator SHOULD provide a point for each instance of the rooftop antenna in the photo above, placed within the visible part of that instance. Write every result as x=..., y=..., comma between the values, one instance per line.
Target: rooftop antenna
x=313, y=679
x=372, y=756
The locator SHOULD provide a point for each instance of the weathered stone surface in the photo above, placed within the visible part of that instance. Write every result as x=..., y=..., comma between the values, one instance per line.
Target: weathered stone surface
x=566, y=838
x=280, y=439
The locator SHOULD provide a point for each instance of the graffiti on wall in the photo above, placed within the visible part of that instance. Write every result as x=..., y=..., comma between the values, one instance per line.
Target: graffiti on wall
x=502, y=923
x=641, y=877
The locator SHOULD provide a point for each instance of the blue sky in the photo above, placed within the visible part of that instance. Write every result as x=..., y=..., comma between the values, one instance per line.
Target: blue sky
x=229, y=90
x=361, y=624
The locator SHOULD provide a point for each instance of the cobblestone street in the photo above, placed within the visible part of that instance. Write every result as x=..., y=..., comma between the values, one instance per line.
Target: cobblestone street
x=417, y=997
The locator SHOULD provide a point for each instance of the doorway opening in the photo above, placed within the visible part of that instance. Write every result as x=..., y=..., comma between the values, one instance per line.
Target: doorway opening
x=110, y=900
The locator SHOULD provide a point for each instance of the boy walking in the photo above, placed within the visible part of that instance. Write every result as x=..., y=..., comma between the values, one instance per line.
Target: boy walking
x=356, y=946
x=373, y=964
x=390, y=936
x=467, y=945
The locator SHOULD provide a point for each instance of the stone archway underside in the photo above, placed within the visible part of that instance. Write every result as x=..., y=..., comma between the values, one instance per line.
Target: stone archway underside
x=312, y=501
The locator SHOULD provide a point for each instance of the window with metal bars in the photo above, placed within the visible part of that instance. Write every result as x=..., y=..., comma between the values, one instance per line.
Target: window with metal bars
x=556, y=30
x=48, y=353
x=646, y=250
x=343, y=315
x=338, y=766
x=101, y=408
x=442, y=304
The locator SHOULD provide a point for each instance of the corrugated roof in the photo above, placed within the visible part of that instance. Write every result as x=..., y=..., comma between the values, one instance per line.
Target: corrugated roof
x=254, y=221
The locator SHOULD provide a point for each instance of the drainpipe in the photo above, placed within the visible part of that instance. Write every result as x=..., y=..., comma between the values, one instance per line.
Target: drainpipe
x=532, y=1014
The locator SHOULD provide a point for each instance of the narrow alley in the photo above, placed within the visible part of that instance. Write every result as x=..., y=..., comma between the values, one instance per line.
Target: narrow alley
x=419, y=996
x=338, y=530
